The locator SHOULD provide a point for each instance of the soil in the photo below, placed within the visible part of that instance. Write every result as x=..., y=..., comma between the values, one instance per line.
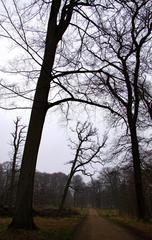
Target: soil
x=96, y=228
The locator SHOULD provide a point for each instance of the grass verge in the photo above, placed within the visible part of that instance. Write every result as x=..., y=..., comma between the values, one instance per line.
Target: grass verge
x=49, y=229
x=138, y=227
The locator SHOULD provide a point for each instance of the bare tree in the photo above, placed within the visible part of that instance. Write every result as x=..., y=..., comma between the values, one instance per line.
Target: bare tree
x=123, y=51
x=146, y=96
x=17, y=143
x=87, y=152
x=58, y=69
x=49, y=52
x=42, y=30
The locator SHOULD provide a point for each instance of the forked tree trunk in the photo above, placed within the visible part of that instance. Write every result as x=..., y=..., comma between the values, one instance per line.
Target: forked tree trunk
x=23, y=212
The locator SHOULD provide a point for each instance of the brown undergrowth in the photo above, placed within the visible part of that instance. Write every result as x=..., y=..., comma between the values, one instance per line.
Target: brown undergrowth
x=49, y=228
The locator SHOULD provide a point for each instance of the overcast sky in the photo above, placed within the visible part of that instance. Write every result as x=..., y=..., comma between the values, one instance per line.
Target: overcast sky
x=54, y=152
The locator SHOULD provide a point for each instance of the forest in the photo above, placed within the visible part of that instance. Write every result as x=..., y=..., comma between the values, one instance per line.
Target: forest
x=113, y=189
x=88, y=61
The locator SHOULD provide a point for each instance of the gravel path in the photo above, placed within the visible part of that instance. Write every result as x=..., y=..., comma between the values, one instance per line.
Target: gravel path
x=97, y=228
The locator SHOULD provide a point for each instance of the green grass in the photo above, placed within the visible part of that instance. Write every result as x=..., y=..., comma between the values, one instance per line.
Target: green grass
x=49, y=229
x=139, y=227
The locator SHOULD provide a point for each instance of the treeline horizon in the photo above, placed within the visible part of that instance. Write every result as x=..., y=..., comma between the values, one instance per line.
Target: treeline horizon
x=76, y=56
x=113, y=188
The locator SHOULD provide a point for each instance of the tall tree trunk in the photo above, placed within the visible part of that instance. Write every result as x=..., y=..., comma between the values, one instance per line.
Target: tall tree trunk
x=137, y=173
x=72, y=172
x=65, y=193
x=23, y=211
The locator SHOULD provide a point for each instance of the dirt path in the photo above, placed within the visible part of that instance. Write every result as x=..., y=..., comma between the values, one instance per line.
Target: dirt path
x=97, y=228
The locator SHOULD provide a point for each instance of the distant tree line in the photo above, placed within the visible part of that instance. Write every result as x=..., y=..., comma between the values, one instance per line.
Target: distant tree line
x=112, y=189
x=84, y=52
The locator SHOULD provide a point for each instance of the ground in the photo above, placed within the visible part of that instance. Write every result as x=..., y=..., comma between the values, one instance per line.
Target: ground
x=97, y=228
x=90, y=226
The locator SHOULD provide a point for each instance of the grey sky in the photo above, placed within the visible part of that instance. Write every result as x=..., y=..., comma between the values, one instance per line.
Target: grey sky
x=53, y=151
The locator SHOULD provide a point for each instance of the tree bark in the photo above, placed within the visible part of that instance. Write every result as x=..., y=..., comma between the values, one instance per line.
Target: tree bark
x=23, y=211
x=137, y=173
x=65, y=193
x=72, y=172
x=12, y=179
